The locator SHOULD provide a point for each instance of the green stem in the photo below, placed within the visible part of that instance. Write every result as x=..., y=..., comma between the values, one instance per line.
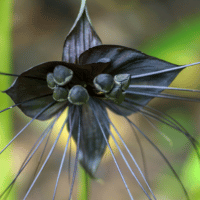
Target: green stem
x=83, y=184
x=5, y=81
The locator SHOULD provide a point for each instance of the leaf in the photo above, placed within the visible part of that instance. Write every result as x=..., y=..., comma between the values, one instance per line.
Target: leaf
x=92, y=142
x=81, y=37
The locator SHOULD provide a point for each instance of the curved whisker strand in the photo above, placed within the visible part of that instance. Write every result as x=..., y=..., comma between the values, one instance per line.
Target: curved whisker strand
x=162, y=88
x=163, y=71
x=127, y=164
x=69, y=160
x=163, y=95
x=93, y=109
x=162, y=155
x=62, y=162
x=42, y=154
x=173, y=123
x=47, y=141
x=130, y=154
x=20, y=103
x=47, y=158
x=142, y=155
x=154, y=126
x=36, y=116
x=30, y=155
x=23, y=165
x=153, y=115
x=194, y=142
x=138, y=140
x=186, y=133
x=77, y=152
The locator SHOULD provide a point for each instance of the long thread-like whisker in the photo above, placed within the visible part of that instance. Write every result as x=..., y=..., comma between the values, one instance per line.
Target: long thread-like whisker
x=42, y=154
x=130, y=154
x=104, y=135
x=111, y=106
x=186, y=133
x=162, y=88
x=125, y=160
x=154, y=126
x=77, y=152
x=194, y=142
x=146, y=115
x=20, y=103
x=16, y=75
x=142, y=154
x=172, y=123
x=62, y=162
x=36, y=116
x=135, y=108
x=46, y=143
x=159, y=151
x=47, y=158
x=163, y=95
x=69, y=160
x=162, y=155
x=163, y=70
x=26, y=161
x=30, y=154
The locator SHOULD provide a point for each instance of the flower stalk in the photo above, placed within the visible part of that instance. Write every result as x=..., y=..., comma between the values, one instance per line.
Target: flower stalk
x=84, y=184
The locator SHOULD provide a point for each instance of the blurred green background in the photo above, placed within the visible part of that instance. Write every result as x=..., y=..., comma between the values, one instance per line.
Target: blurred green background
x=162, y=28
x=6, y=120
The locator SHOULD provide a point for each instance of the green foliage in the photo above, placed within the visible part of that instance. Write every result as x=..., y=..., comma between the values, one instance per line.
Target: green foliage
x=5, y=66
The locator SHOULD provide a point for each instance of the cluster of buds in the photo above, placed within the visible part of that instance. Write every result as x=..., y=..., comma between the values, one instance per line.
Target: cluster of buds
x=113, y=88
x=59, y=80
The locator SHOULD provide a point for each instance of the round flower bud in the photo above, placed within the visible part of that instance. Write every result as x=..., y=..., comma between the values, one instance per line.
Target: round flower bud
x=62, y=75
x=60, y=94
x=78, y=95
x=123, y=80
x=104, y=82
x=50, y=81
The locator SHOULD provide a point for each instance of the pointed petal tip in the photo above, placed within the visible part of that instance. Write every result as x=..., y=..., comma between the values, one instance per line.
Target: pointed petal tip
x=81, y=33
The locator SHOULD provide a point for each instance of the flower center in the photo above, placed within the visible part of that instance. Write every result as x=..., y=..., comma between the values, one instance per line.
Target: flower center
x=105, y=86
x=58, y=82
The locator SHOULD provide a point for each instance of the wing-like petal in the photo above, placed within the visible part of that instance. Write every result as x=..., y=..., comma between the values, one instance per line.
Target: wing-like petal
x=124, y=60
x=92, y=142
x=31, y=88
x=81, y=37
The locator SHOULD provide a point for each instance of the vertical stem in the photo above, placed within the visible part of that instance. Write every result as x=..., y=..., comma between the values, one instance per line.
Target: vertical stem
x=5, y=117
x=83, y=184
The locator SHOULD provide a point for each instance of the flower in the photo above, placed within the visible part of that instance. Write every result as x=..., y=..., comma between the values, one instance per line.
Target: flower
x=90, y=79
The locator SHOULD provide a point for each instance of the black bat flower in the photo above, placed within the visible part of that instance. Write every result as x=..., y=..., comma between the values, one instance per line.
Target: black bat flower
x=90, y=79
